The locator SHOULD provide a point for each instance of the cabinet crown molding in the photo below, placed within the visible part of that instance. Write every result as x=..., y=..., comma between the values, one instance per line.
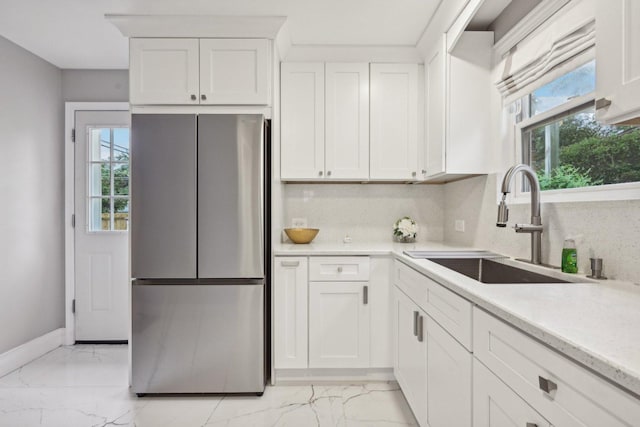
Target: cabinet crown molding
x=214, y=26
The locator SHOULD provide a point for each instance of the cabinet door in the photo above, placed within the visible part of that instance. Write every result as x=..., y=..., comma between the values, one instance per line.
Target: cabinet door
x=338, y=325
x=290, y=288
x=617, y=60
x=434, y=72
x=302, y=121
x=347, y=121
x=394, y=121
x=496, y=405
x=234, y=71
x=410, y=361
x=449, y=379
x=163, y=71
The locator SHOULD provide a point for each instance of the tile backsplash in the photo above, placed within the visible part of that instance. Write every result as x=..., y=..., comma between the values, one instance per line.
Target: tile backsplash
x=365, y=212
x=608, y=230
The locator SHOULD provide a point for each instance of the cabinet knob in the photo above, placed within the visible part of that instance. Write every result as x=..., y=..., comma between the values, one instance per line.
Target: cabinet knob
x=420, y=331
x=365, y=295
x=547, y=385
x=413, y=174
x=532, y=425
x=203, y=97
x=424, y=171
x=340, y=269
x=328, y=173
x=602, y=103
x=193, y=97
x=320, y=173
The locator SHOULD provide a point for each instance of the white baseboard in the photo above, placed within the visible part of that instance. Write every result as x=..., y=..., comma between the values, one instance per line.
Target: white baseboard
x=332, y=376
x=25, y=353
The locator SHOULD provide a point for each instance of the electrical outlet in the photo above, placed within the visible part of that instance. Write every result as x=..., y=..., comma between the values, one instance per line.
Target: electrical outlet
x=459, y=225
x=299, y=222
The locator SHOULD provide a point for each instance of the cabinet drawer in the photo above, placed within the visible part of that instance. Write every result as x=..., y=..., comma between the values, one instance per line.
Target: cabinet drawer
x=576, y=397
x=451, y=311
x=339, y=268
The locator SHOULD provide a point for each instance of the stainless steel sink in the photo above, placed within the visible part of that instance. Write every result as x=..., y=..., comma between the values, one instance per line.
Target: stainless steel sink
x=488, y=271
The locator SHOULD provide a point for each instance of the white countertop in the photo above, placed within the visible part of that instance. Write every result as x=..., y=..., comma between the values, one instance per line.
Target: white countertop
x=594, y=323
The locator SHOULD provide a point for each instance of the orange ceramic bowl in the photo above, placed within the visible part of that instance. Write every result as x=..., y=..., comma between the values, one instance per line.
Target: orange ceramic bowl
x=301, y=235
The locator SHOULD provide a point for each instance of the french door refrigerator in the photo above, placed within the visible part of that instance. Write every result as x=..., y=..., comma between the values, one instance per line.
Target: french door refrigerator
x=198, y=253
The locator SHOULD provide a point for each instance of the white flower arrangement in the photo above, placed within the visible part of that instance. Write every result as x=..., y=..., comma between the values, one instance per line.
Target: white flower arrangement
x=405, y=229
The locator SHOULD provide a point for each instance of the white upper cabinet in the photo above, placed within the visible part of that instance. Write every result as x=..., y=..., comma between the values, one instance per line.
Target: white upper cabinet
x=325, y=121
x=458, y=114
x=302, y=121
x=618, y=61
x=199, y=71
x=234, y=71
x=394, y=122
x=164, y=71
x=347, y=121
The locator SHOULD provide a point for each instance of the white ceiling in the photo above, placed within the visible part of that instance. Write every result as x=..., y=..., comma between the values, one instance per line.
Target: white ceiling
x=75, y=34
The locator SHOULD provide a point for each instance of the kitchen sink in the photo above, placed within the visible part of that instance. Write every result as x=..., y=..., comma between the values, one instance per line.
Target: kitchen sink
x=486, y=270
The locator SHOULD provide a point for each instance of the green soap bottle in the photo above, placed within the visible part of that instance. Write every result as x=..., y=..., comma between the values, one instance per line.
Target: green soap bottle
x=569, y=257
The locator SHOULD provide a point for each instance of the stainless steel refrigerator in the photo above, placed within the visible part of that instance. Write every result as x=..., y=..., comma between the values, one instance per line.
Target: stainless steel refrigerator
x=198, y=253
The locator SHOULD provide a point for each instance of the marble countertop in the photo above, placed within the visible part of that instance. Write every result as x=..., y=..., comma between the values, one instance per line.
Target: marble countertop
x=594, y=323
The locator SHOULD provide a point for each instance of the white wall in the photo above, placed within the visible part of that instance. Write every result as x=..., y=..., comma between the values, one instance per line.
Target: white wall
x=31, y=197
x=95, y=85
x=366, y=212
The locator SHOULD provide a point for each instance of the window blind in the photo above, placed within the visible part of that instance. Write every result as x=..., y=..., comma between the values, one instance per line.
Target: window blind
x=567, y=38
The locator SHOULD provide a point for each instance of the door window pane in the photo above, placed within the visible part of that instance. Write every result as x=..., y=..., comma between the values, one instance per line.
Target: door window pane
x=108, y=179
x=121, y=179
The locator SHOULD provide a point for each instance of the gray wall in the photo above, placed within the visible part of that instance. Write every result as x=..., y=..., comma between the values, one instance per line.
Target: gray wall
x=95, y=85
x=31, y=197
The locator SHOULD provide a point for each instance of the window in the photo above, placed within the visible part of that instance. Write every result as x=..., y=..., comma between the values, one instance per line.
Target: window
x=565, y=145
x=108, y=173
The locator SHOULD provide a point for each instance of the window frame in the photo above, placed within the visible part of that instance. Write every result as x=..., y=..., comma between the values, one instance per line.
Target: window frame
x=606, y=192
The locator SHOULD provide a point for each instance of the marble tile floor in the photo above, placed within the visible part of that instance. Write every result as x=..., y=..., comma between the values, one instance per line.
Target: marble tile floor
x=87, y=385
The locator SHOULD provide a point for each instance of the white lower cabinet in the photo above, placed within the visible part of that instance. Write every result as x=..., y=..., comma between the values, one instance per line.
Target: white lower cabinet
x=410, y=362
x=324, y=311
x=496, y=405
x=448, y=379
x=338, y=325
x=290, y=294
x=560, y=390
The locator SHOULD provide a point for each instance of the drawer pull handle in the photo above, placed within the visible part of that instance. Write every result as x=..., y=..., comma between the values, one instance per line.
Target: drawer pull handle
x=340, y=269
x=547, y=385
x=289, y=263
x=415, y=323
x=365, y=295
x=602, y=103
x=532, y=425
x=420, y=328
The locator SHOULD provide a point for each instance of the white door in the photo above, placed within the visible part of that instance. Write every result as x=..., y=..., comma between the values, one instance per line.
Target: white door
x=496, y=405
x=302, y=121
x=347, y=121
x=290, y=288
x=394, y=121
x=338, y=325
x=101, y=225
